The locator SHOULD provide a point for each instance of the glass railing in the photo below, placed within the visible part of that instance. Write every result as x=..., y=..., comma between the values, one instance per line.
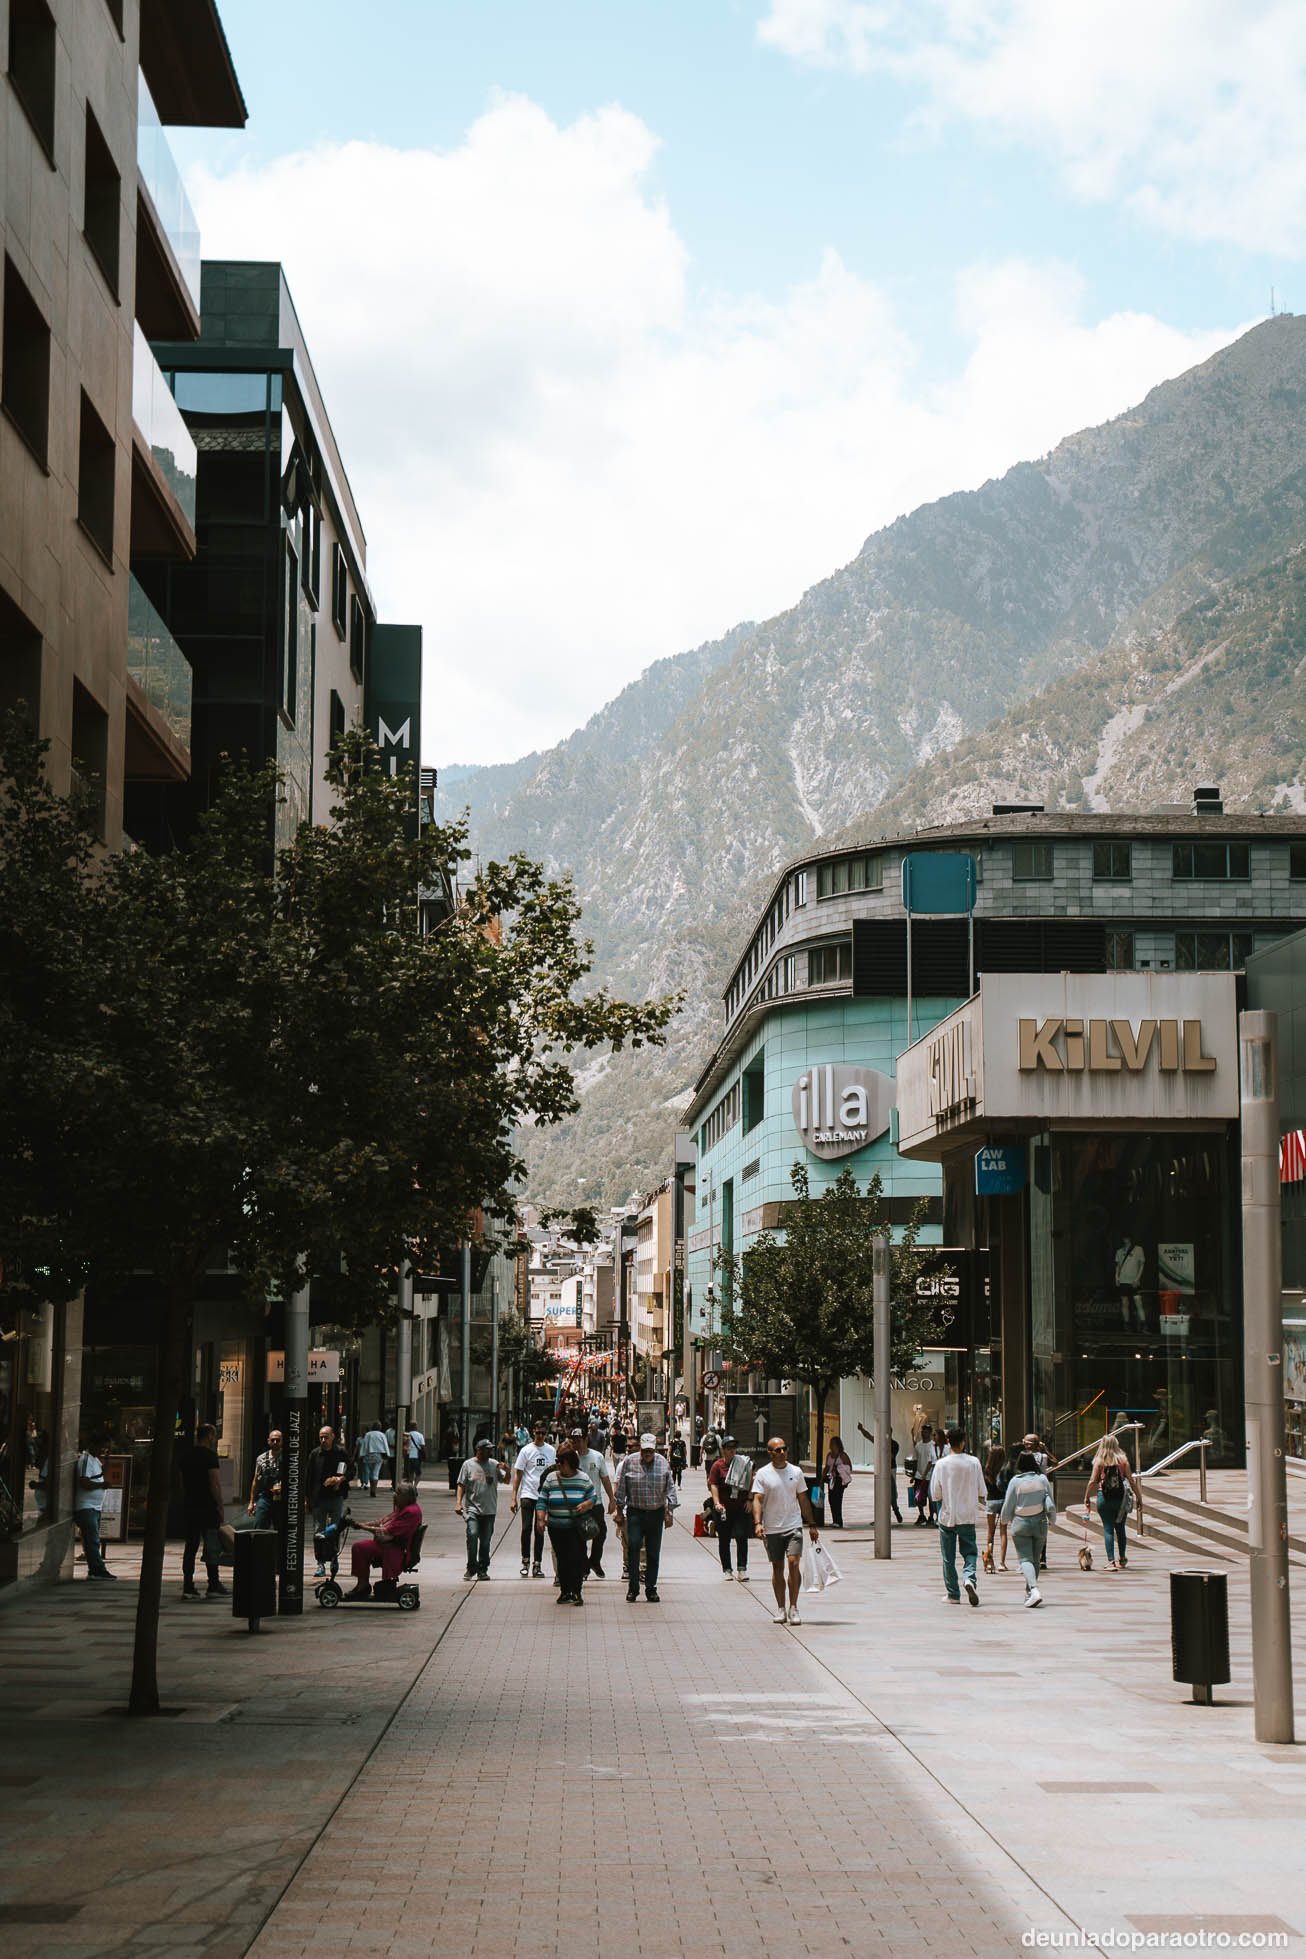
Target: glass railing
x=161, y=422
x=157, y=664
x=162, y=179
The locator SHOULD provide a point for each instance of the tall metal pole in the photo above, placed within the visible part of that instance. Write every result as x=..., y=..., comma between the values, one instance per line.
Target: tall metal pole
x=883, y=1404
x=294, y=1454
x=403, y=1369
x=494, y=1360
x=465, y=1372
x=1267, y=1491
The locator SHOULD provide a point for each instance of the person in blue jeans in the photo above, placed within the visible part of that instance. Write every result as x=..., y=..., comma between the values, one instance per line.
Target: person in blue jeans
x=957, y=1490
x=88, y=1502
x=645, y=1496
x=1027, y=1509
x=1112, y=1483
x=478, y=1501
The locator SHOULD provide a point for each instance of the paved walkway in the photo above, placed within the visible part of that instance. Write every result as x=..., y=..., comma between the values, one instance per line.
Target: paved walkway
x=498, y=1774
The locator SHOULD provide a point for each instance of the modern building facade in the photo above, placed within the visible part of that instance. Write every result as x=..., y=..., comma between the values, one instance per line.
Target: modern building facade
x=97, y=490
x=1276, y=983
x=823, y=1000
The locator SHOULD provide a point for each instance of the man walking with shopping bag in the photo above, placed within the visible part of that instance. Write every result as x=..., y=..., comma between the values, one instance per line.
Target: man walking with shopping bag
x=957, y=1487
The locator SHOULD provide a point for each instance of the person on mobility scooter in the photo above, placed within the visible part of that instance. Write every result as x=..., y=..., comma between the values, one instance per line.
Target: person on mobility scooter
x=388, y=1546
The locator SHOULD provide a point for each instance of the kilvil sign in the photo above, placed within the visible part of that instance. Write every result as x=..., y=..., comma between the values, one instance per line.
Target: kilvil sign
x=838, y=1109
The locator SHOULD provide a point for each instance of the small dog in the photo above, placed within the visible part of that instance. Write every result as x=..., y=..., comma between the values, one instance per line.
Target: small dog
x=1085, y=1555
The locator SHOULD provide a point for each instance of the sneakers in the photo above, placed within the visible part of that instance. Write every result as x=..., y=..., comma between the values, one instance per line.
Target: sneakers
x=795, y=1616
x=743, y=1577
x=537, y=1571
x=780, y=1617
x=320, y=1572
x=729, y=1577
x=100, y=1577
x=972, y=1590
x=1035, y=1597
x=191, y=1593
x=948, y=1599
x=483, y=1577
x=525, y=1571
x=632, y=1598
x=597, y=1571
x=468, y=1577
x=651, y=1598
x=218, y=1591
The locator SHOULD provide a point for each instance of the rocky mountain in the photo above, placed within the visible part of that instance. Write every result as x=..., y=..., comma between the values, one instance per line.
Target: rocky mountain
x=1101, y=627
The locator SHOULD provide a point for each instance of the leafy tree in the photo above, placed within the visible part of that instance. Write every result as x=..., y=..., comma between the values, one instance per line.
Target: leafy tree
x=802, y=1305
x=265, y=1062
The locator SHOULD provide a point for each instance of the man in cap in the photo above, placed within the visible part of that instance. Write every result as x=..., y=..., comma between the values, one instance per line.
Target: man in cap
x=592, y=1465
x=645, y=1496
x=477, y=1500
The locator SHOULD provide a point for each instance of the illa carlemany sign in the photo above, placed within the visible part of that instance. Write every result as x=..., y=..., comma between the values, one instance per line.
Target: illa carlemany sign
x=838, y=1109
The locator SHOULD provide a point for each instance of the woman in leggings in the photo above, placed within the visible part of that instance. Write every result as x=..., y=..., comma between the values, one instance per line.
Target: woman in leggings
x=1027, y=1509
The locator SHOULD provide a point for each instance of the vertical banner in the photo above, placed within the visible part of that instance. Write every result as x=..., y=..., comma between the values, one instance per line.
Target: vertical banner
x=294, y=1454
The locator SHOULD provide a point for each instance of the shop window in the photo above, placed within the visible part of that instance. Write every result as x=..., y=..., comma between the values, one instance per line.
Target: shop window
x=1212, y=952
x=829, y=963
x=1297, y=861
x=102, y=210
x=97, y=466
x=1113, y=861
x=1031, y=863
x=1211, y=860
x=1120, y=952
x=25, y=365
x=31, y=65
x=339, y=590
x=754, y=1086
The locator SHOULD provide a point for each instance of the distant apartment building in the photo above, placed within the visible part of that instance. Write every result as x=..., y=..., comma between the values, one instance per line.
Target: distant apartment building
x=101, y=256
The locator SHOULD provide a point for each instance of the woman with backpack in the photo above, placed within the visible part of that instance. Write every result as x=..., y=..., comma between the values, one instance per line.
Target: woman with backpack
x=1116, y=1488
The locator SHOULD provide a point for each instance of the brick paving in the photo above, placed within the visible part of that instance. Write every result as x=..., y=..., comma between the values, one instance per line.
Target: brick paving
x=502, y=1774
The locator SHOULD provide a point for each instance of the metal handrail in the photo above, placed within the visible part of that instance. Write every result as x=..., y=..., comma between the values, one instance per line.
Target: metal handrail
x=1202, y=1444
x=1089, y=1448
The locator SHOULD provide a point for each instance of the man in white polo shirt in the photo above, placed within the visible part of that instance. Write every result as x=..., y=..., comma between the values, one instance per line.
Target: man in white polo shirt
x=532, y=1461
x=780, y=1509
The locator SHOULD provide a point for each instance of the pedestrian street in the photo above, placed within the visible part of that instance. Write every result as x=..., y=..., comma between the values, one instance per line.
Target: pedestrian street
x=497, y=1774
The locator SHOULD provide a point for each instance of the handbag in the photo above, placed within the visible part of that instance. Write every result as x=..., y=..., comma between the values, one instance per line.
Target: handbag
x=588, y=1524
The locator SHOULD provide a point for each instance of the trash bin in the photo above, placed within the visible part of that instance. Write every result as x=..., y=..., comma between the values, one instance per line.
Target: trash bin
x=254, y=1577
x=1199, y=1629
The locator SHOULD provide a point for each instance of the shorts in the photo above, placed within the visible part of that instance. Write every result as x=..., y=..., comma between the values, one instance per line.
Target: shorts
x=993, y=1506
x=782, y=1544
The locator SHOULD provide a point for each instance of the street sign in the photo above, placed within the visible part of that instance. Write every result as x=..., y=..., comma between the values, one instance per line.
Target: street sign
x=711, y=1380
x=999, y=1169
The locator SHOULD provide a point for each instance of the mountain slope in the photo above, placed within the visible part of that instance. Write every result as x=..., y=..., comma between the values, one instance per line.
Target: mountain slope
x=676, y=803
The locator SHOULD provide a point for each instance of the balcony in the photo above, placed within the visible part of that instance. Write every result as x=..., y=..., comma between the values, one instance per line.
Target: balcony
x=168, y=236
x=164, y=463
x=158, y=697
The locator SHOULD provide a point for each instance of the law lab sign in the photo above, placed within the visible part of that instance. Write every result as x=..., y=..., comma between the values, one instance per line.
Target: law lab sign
x=1000, y=1170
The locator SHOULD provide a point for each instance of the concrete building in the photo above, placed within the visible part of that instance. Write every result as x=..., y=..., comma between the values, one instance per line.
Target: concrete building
x=97, y=489
x=822, y=1002
x=652, y=1333
x=1276, y=983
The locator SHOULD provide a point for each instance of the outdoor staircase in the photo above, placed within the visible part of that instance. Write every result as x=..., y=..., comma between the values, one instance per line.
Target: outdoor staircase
x=1192, y=1531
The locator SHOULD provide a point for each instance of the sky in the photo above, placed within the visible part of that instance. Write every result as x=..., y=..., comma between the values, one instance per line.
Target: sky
x=634, y=318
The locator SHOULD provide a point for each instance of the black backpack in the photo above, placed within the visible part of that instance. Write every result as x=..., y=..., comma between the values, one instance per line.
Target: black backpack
x=1113, y=1486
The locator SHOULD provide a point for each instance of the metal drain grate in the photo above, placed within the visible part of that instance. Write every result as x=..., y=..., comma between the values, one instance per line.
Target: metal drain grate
x=34, y=1912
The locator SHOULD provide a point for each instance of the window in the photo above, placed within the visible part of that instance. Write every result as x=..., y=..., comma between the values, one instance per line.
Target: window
x=102, y=209
x=723, y=1118
x=115, y=11
x=357, y=637
x=20, y=661
x=31, y=65
x=1112, y=860
x=97, y=461
x=90, y=757
x=290, y=645
x=1211, y=952
x=1031, y=863
x=827, y=963
x=337, y=728
x=861, y=873
x=312, y=550
x=800, y=888
x=339, y=590
x=1297, y=860
x=1119, y=952
x=1225, y=860
x=753, y=1080
x=790, y=980
x=25, y=354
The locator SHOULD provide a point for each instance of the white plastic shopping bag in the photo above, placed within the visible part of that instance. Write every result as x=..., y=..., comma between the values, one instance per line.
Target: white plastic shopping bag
x=827, y=1569
x=813, y=1581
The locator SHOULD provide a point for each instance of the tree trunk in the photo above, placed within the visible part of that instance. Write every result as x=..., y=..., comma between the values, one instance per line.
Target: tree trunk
x=171, y=1382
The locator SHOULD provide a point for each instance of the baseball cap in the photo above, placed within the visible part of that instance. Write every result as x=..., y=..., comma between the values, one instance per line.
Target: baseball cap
x=578, y=1435
x=648, y=1442
x=727, y=1441
x=484, y=1443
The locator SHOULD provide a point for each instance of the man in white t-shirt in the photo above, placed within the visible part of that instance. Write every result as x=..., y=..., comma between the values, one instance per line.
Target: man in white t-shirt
x=88, y=1503
x=957, y=1486
x=780, y=1509
x=532, y=1461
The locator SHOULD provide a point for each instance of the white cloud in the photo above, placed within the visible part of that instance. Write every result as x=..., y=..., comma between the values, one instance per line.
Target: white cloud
x=568, y=461
x=1191, y=112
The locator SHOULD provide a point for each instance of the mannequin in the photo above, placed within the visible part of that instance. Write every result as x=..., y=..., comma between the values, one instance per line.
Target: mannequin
x=1129, y=1271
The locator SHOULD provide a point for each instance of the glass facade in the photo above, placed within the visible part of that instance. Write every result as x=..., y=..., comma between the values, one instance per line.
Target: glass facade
x=160, y=422
x=1134, y=1290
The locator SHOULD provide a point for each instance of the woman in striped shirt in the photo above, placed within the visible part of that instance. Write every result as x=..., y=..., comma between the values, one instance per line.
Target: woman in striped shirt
x=565, y=1495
